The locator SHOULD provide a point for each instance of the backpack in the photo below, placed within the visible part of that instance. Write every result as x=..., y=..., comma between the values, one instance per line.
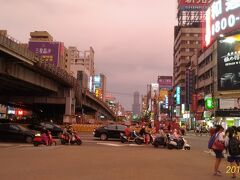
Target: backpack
x=234, y=146
x=211, y=141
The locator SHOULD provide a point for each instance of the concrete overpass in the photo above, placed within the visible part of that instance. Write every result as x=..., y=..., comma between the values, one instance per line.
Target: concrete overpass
x=27, y=81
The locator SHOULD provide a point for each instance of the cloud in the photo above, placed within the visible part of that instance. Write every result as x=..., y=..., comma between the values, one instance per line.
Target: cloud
x=132, y=39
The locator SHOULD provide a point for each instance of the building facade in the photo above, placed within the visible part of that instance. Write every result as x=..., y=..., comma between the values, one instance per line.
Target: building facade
x=136, y=103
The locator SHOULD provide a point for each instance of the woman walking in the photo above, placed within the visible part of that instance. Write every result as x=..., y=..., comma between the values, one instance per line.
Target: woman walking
x=233, y=150
x=218, y=147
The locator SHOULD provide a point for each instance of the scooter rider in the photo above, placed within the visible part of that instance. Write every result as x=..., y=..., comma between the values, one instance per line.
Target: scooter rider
x=68, y=132
x=143, y=132
x=128, y=132
x=176, y=136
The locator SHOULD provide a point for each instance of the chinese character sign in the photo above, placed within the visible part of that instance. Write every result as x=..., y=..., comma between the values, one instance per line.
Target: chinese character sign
x=194, y=4
x=165, y=82
x=48, y=51
x=222, y=17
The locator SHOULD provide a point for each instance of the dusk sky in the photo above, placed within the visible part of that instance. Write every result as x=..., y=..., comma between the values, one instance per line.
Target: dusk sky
x=132, y=39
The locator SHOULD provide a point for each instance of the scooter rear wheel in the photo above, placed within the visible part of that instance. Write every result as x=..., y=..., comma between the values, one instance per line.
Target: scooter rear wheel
x=79, y=142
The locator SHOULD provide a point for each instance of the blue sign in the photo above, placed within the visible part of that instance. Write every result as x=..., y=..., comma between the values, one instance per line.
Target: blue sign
x=178, y=95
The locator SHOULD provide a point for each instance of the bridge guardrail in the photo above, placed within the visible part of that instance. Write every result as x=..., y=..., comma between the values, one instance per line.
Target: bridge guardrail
x=17, y=47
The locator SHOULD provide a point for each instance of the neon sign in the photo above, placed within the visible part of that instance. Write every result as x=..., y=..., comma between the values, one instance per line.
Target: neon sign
x=223, y=16
x=178, y=95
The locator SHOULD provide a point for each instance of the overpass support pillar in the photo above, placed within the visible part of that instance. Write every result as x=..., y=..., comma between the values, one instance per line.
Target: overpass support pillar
x=69, y=116
x=97, y=114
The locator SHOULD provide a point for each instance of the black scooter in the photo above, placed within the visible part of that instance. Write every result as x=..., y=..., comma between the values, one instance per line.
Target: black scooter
x=134, y=138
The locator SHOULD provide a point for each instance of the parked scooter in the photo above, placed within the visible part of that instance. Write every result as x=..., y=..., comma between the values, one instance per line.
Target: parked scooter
x=74, y=138
x=134, y=138
x=44, y=139
x=180, y=143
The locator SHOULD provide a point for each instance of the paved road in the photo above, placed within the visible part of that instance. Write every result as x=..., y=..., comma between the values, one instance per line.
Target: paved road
x=111, y=160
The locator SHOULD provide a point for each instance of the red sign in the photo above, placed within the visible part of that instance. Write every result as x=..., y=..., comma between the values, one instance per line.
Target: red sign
x=194, y=102
x=165, y=81
x=20, y=112
x=222, y=17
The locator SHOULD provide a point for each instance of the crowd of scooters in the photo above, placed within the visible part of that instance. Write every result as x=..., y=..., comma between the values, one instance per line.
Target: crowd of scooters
x=69, y=136
x=171, y=140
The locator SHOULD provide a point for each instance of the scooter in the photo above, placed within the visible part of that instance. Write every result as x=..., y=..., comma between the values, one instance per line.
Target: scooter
x=134, y=138
x=180, y=143
x=40, y=140
x=75, y=139
x=160, y=141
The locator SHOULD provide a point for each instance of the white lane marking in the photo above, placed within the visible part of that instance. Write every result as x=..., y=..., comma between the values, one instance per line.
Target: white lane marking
x=111, y=144
x=136, y=145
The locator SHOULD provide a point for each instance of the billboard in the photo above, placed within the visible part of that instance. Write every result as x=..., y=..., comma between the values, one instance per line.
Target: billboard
x=228, y=55
x=165, y=82
x=193, y=5
x=48, y=51
x=229, y=103
x=154, y=90
x=222, y=17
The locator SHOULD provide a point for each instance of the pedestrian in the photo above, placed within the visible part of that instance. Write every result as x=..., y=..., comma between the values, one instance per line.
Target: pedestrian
x=233, y=150
x=218, y=147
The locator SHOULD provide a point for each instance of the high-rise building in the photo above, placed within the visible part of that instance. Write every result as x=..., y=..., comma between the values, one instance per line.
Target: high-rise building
x=82, y=61
x=136, y=103
x=187, y=43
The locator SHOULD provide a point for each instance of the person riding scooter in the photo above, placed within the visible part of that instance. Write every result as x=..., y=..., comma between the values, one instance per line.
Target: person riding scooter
x=176, y=136
x=143, y=133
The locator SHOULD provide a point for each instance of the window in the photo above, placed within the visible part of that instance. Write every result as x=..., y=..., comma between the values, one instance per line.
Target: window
x=121, y=128
x=111, y=127
x=13, y=127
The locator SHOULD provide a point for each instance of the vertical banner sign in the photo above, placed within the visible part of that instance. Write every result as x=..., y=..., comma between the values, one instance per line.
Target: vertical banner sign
x=178, y=95
x=194, y=103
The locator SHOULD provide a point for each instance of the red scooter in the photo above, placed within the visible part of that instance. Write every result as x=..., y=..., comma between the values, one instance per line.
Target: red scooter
x=74, y=139
x=45, y=139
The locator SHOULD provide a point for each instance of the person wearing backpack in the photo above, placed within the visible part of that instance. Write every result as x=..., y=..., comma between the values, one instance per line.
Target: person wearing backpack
x=218, y=136
x=233, y=148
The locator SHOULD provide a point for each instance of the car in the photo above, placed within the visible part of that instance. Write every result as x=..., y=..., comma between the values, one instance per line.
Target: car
x=55, y=129
x=16, y=133
x=109, y=131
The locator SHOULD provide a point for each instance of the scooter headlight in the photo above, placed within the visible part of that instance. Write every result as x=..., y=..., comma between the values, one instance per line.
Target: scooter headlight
x=38, y=134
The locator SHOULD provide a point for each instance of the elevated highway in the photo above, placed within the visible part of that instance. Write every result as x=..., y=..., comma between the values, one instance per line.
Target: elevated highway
x=27, y=81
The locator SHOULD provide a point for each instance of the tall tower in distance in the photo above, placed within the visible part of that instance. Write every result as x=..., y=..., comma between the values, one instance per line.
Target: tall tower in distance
x=136, y=104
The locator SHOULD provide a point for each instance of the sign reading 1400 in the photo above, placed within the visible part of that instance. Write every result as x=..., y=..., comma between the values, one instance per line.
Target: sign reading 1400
x=222, y=16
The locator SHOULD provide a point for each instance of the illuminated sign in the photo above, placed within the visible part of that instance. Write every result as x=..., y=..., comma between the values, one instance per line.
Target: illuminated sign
x=165, y=82
x=20, y=112
x=209, y=102
x=11, y=111
x=166, y=101
x=222, y=17
x=228, y=56
x=154, y=90
x=193, y=5
x=178, y=95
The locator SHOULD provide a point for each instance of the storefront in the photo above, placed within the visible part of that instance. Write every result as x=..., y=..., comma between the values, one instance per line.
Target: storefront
x=228, y=118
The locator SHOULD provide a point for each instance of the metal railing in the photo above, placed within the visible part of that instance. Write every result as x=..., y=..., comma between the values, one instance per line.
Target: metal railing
x=15, y=46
